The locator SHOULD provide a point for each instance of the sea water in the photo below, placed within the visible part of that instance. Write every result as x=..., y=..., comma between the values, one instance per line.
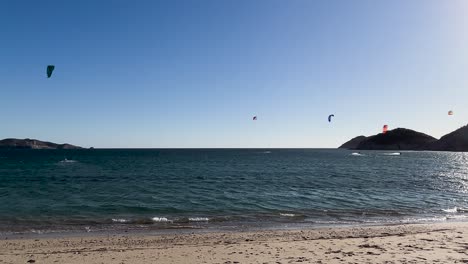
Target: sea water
x=151, y=189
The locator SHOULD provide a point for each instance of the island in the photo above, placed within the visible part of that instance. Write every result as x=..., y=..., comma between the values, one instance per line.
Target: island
x=13, y=143
x=454, y=141
x=407, y=139
x=353, y=143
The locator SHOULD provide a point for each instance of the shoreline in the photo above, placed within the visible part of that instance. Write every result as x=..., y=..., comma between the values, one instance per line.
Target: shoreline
x=203, y=228
x=409, y=243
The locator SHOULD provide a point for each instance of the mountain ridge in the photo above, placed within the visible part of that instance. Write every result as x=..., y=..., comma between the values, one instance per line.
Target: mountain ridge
x=14, y=143
x=407, y=139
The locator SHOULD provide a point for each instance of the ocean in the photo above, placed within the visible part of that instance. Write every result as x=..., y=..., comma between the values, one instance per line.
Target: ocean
x=94, y=190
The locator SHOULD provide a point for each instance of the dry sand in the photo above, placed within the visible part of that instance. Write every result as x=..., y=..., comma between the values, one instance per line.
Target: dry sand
x=424, y=243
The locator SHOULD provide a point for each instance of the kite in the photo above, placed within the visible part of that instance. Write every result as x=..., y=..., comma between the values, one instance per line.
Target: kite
x=385, y=128
x=50, y=69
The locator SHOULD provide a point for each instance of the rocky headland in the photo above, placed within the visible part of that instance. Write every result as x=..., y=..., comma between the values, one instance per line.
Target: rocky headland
x=13, y=143
x=407, y=139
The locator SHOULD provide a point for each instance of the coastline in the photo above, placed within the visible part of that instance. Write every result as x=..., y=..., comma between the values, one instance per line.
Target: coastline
x=411, y=243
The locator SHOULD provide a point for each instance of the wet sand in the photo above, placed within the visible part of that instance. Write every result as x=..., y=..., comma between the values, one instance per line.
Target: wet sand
x=422, y=243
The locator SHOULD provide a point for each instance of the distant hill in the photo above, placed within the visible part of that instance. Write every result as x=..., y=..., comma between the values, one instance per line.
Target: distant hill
x=13, y=143
x=455, y=141
x=353, y=143
x=396, y=139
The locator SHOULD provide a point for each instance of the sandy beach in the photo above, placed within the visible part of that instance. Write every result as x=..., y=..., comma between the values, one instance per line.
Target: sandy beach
x=421, y=243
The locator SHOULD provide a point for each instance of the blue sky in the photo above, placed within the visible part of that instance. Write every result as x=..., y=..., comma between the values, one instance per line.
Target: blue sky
x=193, y=73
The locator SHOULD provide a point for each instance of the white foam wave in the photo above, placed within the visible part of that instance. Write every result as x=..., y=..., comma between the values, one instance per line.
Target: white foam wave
x=119, y=220
x=457, y=216
x=160, y=219
x=289, y=215
x=356, y=154
x=456, y=210
x=392, y=154
x=427, y=219
x=451, y=210
x=199, y=219
x=68, y=161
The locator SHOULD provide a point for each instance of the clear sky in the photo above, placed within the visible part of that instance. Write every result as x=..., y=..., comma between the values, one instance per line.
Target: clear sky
x=193, y=73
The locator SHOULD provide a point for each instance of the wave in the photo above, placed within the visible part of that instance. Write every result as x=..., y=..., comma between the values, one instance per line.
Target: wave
x=288, y=215
x=199, y=219
x=423, y=219
x=392, y=154
x=120, y=220
x=457, y=216
x=450, y=210
x=161, y=220
x=156, y=219
x=356, y=154
x=456, y=210
x=68, y=161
